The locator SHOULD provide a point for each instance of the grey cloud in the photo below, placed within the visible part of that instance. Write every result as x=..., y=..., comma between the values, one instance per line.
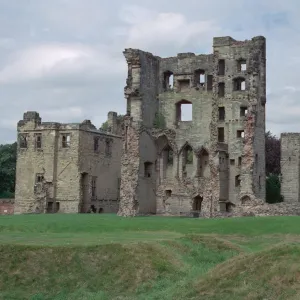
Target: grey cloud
x=91, y=87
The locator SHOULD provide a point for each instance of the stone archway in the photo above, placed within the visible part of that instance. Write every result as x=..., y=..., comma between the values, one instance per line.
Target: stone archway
x=197, y=203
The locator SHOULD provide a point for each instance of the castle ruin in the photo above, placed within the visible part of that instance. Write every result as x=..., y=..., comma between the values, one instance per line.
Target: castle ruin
x=67, y=168
x=214, y=162
x=157, y=162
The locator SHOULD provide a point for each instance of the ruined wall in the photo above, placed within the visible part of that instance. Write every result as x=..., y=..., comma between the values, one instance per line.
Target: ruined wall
x=140, y=92
x=100, y=160
x=290, y=162
x=244, y=111
x=6, y=206
x=217, y=155
x=51, y=164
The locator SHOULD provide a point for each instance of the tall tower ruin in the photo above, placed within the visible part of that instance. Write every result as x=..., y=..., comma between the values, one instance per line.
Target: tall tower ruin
x=211, y=163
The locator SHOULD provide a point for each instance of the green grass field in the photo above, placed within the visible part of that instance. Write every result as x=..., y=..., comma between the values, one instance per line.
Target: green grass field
x=107, y=257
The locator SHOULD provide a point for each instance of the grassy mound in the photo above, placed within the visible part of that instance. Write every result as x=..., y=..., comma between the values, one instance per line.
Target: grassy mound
x=141, y=270
x=270, y=274
x=74, y=257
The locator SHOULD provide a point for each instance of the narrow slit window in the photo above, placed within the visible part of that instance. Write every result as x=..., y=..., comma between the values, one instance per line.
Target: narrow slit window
x=221, y=137
x=38, y=140
x=209, y=82
x=221, y=67
x=221, y=89
x=221, y=113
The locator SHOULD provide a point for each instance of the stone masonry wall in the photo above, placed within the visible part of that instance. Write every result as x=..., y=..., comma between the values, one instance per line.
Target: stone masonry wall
x=290, y=162
x=6, y=207
x=196, y=80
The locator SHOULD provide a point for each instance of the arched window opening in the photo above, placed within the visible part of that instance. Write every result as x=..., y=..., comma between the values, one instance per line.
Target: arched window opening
x=203, y=164
x=197, y=203
x=187, y=161
x=167, y=161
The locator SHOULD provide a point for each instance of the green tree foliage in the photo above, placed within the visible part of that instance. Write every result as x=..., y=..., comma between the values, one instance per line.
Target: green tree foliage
x=273, y=189
x=272, y=154
x=8, y=157
x=104, y=126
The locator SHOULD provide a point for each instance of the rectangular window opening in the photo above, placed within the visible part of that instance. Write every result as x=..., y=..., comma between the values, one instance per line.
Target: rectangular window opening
x=66, y=140
x=221, y=113
x=221, y=89
x=221, y=67
x=240, y=134
x=209, y=82
x=94, y=184
x=39, y=178
x=243, y=111
x=23, y=139
x=148, y=166
x=237, y=181
x=184, y=111
x=221, y=137
x=232, y=162
x=240, y=161
x=108, y=147
x=242, y=65
x=96, y=144
x=38, y=140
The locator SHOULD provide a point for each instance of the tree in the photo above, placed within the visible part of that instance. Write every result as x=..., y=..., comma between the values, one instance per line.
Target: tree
x=8, y=158
x=272, y=154
x=273, y=189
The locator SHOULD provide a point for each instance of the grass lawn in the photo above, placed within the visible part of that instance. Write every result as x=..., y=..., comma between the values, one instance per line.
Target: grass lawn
x=92, y=256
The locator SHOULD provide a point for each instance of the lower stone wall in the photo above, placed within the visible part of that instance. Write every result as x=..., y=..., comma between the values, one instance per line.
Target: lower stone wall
x=259, y=210
x=6, y=206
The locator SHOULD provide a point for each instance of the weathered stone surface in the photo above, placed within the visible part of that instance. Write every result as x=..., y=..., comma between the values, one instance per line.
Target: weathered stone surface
x=6, y=206
x=67, y=168
x=225, y=171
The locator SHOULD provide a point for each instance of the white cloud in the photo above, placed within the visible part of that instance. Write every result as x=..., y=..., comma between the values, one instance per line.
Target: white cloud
x=150, y=30
x=58, y=60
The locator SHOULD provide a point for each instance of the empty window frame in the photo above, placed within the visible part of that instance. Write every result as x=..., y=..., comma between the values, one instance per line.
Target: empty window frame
x=108, y=147
x=243, y=111
x=66, y=140
x=148, y=169
x=168, y=80
x=188, y=155
x=23, y=140
x=240, y=161
x=241, y=65
x=200, y=77
x=237, y=181
x=221, y=67
x=221, y=135
x=240, y=134
x=39, y=178
x=209, y=82
x=221, y=89
x=239, y=84
x=184, y=111
x=38, y=140
x=221, y=113
x=94, y=186
x=96, y=144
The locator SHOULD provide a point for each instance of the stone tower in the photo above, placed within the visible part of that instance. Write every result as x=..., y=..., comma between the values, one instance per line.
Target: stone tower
x=213, y=162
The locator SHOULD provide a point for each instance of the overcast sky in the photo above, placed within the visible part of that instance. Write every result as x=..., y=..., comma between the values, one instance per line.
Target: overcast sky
x=63, y=58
